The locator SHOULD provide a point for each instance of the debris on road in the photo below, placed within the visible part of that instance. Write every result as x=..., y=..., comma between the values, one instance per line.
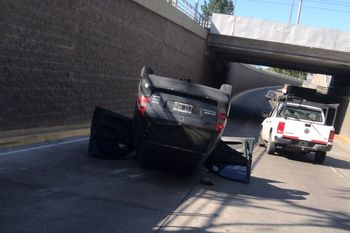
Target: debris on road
x=232, y=158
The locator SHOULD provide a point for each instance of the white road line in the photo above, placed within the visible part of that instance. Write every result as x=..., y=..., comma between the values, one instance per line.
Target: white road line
x=338, y=173
x=43, y=146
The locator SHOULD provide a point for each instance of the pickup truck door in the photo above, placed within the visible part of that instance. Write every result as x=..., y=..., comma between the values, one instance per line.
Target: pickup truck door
x=266, y=125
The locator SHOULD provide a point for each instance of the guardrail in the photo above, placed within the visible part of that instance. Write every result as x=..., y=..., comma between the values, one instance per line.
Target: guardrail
x=191, y=11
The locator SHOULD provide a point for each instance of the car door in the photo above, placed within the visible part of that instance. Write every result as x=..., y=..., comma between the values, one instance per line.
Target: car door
x=111, y=134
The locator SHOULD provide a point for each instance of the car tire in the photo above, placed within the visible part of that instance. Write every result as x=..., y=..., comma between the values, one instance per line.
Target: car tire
x=271, y=147
x=320, y=157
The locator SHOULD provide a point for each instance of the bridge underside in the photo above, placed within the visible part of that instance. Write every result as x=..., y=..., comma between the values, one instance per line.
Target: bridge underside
x=296, y=47
x=294, y=57
x=313, y=60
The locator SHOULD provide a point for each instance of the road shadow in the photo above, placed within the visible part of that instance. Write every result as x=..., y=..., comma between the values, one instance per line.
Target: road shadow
x=261, y=188
x=298, y=157
x=336, y=162
x=309, y=158
x=230, y=195
x=49, y=189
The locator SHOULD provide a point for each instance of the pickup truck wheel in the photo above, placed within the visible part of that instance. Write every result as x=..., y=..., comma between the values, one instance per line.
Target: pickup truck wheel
x=320, y=157
x=271, y=147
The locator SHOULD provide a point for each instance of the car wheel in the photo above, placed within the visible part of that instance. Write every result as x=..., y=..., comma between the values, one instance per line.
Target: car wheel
x=261, y=141
x=271, y=147
x=320, y=156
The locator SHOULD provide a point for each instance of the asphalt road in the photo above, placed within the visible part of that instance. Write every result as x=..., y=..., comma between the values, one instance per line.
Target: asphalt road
x=56, y=187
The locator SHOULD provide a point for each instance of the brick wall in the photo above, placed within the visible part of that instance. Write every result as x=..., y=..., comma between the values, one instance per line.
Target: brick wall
x=60, y=58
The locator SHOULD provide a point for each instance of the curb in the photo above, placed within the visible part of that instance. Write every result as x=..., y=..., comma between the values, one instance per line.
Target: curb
x=43, y=137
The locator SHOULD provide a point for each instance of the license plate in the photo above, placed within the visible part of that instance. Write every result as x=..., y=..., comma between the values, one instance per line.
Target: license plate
x=181, y=107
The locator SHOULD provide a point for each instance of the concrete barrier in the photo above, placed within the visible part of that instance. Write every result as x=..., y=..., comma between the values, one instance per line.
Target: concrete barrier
x=244, y=77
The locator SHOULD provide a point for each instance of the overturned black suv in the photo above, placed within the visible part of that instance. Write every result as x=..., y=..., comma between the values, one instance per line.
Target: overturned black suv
x=176, y=123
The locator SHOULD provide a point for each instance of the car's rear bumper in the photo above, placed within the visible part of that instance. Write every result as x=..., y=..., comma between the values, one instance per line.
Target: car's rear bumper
x=299, y=145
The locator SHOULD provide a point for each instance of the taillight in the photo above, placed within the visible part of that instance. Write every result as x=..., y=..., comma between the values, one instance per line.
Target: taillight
x=280, y=127
x=142, y=102
x=331, y=136
x=221, y=117
x=219, y=126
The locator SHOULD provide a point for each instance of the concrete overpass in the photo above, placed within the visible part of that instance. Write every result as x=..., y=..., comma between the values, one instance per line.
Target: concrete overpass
x=262, y=42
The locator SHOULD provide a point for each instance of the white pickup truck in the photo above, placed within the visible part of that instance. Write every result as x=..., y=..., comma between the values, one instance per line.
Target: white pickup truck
x=297, y=126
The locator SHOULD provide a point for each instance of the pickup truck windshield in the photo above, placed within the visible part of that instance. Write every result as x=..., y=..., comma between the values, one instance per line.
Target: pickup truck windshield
x=301, y=113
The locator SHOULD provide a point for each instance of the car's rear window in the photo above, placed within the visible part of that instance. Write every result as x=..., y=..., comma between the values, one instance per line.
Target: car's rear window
x=301, y=113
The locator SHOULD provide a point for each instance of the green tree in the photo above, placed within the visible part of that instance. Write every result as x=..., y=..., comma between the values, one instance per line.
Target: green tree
x=294, y=73
x=217, y=6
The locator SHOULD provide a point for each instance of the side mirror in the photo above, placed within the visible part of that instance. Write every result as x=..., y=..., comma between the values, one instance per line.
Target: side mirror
x=265, y=114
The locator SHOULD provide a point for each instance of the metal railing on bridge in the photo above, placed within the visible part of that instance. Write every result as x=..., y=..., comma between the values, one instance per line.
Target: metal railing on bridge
x=191, y=11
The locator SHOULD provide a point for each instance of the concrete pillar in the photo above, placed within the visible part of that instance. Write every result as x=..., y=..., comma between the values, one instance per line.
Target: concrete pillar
x=345, y=129
x=340, y=93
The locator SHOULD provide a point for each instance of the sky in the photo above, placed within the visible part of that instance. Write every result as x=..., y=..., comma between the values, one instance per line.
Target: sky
x=317, y=13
